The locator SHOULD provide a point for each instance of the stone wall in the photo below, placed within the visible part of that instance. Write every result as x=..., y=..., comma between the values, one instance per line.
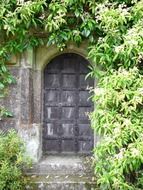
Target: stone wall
x=12, y=102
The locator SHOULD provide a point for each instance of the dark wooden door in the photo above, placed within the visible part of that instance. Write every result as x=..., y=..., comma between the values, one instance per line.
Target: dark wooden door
x=66, y=104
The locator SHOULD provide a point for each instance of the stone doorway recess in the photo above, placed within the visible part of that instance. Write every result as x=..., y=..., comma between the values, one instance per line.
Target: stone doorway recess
x=32, y=70
x=29, y=109
x=65, y=134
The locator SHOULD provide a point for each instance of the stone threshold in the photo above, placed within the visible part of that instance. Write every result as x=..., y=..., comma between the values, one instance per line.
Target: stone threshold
x=61, y=165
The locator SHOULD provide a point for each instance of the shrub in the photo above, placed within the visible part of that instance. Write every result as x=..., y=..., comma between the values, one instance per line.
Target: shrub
x=11, y=162
x=118, y=118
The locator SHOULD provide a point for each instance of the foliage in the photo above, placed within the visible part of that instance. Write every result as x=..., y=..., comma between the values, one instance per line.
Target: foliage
x=4, y=113
x=115, y=40
x=119, y=117
x=11, y=162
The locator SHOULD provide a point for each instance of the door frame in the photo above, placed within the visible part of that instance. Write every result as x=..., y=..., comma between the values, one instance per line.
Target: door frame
x=42, y=56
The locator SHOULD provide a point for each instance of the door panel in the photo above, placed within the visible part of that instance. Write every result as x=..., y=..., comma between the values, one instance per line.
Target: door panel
x=66, y=106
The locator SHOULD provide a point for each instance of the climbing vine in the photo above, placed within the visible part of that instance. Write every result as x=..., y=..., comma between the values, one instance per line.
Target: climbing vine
x=114, y=31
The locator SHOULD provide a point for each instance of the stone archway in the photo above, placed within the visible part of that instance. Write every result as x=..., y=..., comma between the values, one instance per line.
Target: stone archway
x=33, y=63
x=27, y=104
x=66, y=104
x=27, y=101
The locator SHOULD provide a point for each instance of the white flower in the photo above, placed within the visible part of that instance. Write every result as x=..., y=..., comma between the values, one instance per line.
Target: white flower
x=120, y=154
x=127, y=122
x=119, y=48
x=117, y=130
x=135, y=152
x=99, y=91
x=140, y=90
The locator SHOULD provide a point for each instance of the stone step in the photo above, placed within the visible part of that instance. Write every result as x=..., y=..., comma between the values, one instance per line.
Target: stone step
x=61, y=165
x=62, y=182
x=61, y=173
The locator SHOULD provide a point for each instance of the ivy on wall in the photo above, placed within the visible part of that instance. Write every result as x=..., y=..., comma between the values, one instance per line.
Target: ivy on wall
x=108, y=25
x=114, y=30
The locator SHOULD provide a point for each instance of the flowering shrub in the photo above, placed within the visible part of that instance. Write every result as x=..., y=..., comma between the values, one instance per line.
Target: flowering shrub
x=119, y=118
x=11, y=162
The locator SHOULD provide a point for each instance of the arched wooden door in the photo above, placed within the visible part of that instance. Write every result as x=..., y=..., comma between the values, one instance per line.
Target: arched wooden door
x=66, y=125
